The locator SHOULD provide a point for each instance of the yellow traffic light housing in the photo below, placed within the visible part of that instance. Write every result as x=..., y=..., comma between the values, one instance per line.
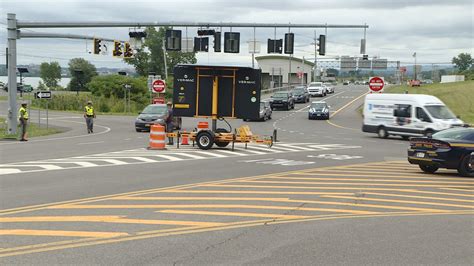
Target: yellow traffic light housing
x=128, y=52
x=117, y=49
x=97, y=46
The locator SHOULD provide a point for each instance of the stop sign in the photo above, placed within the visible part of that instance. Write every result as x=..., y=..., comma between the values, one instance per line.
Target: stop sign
x=158, y=85
x=376, y=84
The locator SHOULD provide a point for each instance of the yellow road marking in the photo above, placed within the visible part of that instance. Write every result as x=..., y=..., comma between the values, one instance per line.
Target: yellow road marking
x=401, y=201
x=342, y=108
x=256, y=192
x=391, y=172
x=211, y=206
x=103, y=219
x=283, y=192
x=242, y=214
x=418, y=197
x=459, y=189
x=356, y=175
x=369, y=179
x=342, y=183
x=439, y=193
x=25, y=232
x=202, y=198
x=74, y=243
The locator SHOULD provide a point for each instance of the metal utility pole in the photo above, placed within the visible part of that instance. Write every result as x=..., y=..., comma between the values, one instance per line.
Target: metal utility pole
x=11, y=58
x=315, y=56
x=165, y=59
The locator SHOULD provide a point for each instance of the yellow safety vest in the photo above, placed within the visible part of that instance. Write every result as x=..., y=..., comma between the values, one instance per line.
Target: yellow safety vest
x=23, y=113
x=89, y=111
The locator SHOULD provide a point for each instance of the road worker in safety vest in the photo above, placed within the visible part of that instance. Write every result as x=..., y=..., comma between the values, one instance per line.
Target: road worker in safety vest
x=89, y=115
x=23, y=117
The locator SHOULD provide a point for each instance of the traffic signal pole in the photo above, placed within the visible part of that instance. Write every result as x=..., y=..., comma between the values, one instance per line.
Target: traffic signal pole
x=14, y=33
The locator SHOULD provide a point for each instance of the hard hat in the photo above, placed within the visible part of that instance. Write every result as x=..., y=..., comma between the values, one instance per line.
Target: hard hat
x=89, y=102
x=169, y=103
x=24, y=103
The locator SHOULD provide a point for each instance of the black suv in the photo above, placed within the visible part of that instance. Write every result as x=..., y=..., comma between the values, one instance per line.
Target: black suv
x=301, y=95
x=283, y=100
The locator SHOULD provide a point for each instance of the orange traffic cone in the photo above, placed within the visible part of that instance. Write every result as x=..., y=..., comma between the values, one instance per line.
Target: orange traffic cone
x=185, y=138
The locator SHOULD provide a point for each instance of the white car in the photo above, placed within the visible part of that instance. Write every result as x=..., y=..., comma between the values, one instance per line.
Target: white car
x=317, y=89
x=329, y=87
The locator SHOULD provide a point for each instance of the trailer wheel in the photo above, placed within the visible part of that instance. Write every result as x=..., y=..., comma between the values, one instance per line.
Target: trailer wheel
x=219, y=143
x=205, y=140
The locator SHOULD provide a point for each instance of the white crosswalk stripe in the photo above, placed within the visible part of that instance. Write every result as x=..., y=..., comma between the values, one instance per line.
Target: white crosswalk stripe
x=172, y=154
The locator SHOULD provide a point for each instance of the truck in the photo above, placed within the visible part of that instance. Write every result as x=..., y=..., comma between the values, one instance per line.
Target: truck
x=406, y=115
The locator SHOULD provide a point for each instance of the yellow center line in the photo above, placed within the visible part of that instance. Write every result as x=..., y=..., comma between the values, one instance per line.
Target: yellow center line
x=402, y=201
x=241, y=214
x=439, y=193
x=369, y=179
x=25, y=232
x=418, y=197
x=344, y=183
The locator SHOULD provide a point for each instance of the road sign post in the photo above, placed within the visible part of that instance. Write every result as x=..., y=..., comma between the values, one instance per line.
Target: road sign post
x=43, y=95
x=376, y=84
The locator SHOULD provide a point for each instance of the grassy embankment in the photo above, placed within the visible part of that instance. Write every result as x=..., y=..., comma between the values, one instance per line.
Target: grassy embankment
x=33, y=130
x=458, y=96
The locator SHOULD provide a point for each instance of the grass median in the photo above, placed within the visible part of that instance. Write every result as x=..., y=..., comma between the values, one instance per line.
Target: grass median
x=33, y=130
x=458, y=96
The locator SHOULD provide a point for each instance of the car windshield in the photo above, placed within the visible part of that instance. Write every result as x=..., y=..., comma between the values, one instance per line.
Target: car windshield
x=298, y=91
x=440, y=112
x=280, y=95
x=455, y=134
x=316, y=84
x=155, y=109
x=318, y=105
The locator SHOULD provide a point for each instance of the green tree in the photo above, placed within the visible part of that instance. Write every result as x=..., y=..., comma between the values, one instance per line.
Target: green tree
x=463, y=61
x=82, y=73
x=150, y=57
x=50, y=73
x=114, y=86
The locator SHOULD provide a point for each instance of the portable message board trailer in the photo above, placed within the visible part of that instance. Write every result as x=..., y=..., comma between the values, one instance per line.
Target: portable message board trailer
x=216, y=92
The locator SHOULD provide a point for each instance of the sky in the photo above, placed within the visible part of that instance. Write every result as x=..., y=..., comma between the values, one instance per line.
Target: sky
x=437, y=30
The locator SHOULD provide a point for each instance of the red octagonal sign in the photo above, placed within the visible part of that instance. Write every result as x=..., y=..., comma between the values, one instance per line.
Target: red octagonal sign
x=158, y=85
x=376, y=84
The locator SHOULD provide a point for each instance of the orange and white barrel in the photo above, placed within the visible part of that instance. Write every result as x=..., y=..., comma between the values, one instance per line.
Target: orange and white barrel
x=203, y=126
x=157, y=137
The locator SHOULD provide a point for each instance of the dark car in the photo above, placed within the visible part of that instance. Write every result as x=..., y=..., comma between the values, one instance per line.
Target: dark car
x=451, y=149
x=301, y=95
x=154, y=114
x=282, y=100
x=318, y=110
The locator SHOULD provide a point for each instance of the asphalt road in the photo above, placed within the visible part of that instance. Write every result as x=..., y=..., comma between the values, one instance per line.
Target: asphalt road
x=325, y=194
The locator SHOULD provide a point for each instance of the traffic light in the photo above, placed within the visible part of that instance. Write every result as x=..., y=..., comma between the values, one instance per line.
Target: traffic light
x=217, y=42
x=232, y=42
x=97, y=46
x=173, y=40
x=322, y=45
x=117, y=49
x=127, y=51
x=206, y=32
x=289, y=43
x=275, y=46
x=201, y=44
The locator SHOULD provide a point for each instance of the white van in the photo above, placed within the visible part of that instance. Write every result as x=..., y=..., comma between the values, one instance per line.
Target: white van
x=406, y=115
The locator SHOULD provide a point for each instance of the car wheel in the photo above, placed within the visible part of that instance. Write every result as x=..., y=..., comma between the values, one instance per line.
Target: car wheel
x=466, y=167
x=205, y=140
x=430, y=169
x=406, y=137
x=382, y=132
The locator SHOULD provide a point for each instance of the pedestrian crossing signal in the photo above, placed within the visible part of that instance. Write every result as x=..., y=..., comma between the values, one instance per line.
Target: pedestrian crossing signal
x=97, y=46
x=117, y=49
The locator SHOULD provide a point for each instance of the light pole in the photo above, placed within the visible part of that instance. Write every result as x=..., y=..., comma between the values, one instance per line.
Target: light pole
x=414, y=68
